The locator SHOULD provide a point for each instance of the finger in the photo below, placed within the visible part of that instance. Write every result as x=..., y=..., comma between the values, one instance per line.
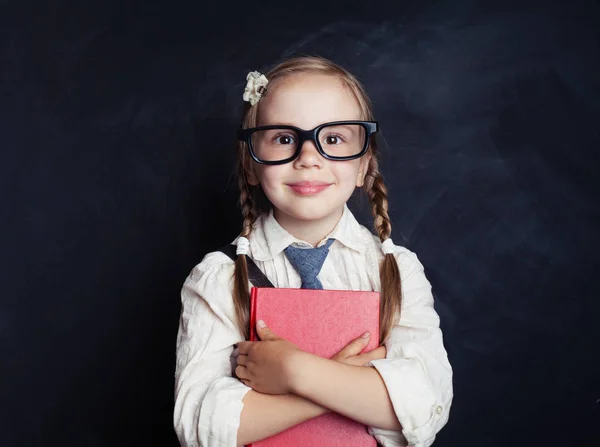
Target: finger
x=355, y=360
x=241, y=372
x=244, y=347
x=264, y=332
x=356, y=346
x=242, y=360
x=376, y=354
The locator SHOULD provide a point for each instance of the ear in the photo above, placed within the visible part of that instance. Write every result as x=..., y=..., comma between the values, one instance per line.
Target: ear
x=362, y=170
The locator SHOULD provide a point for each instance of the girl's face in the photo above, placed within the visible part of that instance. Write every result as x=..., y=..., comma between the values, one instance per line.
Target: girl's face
x=307, y=100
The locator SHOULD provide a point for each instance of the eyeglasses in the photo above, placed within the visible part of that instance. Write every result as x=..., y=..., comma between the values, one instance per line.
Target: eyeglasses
x=279, y=144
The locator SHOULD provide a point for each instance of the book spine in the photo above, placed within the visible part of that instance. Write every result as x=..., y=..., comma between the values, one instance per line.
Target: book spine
x=252, y=323
x=253, y=335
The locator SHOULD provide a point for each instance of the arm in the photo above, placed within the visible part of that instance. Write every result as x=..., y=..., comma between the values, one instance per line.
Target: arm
x=416, y=372
x=208, y=400
x=265, y=415
x=356, y=392
x=406, y=395
x=276, y=366
x=212, y=408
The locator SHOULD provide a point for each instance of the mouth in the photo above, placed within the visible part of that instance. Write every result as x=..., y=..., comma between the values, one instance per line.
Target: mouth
x=308, y=188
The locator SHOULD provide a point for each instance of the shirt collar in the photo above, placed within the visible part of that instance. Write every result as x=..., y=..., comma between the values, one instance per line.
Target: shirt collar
x=268, y=238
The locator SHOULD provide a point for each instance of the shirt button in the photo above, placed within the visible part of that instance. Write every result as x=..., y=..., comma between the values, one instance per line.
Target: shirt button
x=439, y=409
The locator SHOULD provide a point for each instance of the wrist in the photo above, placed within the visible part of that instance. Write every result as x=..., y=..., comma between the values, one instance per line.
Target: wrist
x=295, y=365
x=313, y=409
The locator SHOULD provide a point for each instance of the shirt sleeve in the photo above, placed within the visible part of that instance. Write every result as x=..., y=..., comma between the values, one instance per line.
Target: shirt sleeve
x=208, y=400
x=416, y=371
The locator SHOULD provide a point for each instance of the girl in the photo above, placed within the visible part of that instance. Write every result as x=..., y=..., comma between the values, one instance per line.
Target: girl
x=307, y=141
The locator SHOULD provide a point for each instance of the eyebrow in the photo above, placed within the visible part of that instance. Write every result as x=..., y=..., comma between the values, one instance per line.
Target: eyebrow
x=278, y=124
x=295, y=125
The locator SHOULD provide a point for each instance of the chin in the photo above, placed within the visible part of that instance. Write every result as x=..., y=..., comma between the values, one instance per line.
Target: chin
x=311, y=213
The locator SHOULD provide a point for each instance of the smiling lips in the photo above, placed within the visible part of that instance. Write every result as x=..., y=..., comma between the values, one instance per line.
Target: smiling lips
x=308, y=188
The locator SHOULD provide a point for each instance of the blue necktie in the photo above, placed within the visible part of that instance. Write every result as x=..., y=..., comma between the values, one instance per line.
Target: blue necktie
x=308, y=263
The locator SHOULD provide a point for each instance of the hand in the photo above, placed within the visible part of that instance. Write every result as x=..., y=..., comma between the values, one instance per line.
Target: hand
x=351, y=354
x=264, y=365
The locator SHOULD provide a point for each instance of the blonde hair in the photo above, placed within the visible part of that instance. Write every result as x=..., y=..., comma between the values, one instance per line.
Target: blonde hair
x=391, y=290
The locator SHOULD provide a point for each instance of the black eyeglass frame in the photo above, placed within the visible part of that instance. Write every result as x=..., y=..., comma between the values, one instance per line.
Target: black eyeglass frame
x=245, y=135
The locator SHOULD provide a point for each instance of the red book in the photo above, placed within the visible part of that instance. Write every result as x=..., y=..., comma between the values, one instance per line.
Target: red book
x=321, y=322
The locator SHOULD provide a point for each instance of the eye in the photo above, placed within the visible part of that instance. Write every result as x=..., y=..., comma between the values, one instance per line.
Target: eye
x=333, y=139
x=284, y=139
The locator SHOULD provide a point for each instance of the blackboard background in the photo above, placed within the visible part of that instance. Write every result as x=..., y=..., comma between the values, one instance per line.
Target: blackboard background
x=117, y=124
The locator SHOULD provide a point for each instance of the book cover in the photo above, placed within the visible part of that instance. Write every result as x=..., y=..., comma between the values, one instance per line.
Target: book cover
x=321, y=322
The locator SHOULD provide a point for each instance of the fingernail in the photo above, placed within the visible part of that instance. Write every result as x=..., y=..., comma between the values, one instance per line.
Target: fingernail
x=365, y=335
x=261, y=324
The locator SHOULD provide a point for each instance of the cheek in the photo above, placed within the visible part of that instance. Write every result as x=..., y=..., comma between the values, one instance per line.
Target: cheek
x=347, y=174
x=269, y=176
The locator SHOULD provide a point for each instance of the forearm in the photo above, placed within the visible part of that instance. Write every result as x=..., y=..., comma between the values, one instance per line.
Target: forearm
x=357, y=392
x=265, y=415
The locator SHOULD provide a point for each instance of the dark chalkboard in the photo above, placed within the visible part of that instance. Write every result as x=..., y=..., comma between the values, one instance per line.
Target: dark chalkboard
x=117, y=127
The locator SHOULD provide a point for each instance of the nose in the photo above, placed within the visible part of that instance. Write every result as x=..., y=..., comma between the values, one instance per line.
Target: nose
x=309, y=156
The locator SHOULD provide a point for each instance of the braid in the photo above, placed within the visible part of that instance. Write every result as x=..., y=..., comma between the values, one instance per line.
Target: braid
x=377, y=193
x=248, y=205
x=391, y=289
x=241, y=293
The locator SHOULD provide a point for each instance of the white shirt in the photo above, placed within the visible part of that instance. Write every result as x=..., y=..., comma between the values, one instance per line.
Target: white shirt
x=416, y=372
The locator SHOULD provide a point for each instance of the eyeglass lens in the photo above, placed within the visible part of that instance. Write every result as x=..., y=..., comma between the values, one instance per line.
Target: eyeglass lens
x=342, y=140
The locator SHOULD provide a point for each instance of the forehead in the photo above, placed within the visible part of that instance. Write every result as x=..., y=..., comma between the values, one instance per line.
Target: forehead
x=307, y=100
